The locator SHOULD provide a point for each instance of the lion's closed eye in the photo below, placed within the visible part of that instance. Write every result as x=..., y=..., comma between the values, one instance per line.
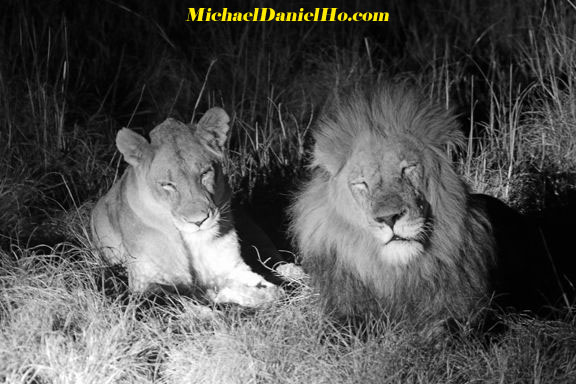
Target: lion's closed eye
x=167, y=186
x=360, y=185
x=409, y=170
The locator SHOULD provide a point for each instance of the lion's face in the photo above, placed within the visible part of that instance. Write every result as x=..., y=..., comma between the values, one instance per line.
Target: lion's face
x=180, y=171
x=383, y=180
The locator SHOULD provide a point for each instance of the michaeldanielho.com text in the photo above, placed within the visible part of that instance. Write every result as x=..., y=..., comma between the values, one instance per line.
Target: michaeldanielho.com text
x=270, y=14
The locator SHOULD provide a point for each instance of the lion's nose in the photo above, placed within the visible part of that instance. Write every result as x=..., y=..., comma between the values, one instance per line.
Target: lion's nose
x=390, y=219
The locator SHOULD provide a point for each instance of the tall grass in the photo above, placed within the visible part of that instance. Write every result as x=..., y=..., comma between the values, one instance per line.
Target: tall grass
x=59, y=326
x=72, y=73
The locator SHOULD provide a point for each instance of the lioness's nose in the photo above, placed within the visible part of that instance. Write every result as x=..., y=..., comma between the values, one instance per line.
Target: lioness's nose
x=199, y=222
x=198, y=219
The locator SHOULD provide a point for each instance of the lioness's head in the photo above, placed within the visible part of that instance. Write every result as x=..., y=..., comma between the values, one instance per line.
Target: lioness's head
x=378, y=159
x=180, y=171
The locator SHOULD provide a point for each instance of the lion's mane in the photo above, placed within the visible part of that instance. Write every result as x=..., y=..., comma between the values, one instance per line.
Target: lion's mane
x=451, y=278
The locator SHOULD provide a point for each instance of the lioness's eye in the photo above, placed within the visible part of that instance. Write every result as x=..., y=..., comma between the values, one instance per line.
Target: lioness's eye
x=207, y=176
x=168, y=186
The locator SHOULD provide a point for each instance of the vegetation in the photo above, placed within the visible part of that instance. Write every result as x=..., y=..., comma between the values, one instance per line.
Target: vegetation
x=73, y=73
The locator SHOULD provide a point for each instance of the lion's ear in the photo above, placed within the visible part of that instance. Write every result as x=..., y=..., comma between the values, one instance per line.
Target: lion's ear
x=132, y=146
x=213, y=128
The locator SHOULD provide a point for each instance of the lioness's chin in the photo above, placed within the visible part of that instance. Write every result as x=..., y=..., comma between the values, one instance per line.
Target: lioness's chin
x=209, y=226
x=401, y=252
x=195, y=229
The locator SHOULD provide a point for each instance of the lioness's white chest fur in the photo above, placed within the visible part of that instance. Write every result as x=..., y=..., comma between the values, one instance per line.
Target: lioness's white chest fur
x=213, y=257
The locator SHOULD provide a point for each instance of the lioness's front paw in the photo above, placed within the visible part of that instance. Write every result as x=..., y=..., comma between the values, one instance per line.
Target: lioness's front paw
x=291, y=271
x=256, y=295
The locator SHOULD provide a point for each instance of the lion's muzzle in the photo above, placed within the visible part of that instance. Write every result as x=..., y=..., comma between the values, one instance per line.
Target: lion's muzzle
x=396, y=219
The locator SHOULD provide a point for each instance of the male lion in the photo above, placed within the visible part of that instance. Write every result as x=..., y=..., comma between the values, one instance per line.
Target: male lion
x=384, y=225
x=168, y=219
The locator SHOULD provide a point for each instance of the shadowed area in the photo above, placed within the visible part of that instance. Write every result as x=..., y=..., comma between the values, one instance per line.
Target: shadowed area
x=536, y=267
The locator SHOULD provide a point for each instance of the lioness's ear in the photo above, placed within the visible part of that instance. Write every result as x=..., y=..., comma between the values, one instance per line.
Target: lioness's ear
x=132, y=146
x=213, y=128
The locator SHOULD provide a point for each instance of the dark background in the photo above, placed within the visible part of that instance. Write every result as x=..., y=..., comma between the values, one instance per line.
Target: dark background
x=73, y=72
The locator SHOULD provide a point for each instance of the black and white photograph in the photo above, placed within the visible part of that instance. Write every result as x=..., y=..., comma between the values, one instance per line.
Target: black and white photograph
x=261, y=191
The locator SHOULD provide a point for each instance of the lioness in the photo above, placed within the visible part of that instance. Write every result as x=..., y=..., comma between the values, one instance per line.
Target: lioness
x=168, y=218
